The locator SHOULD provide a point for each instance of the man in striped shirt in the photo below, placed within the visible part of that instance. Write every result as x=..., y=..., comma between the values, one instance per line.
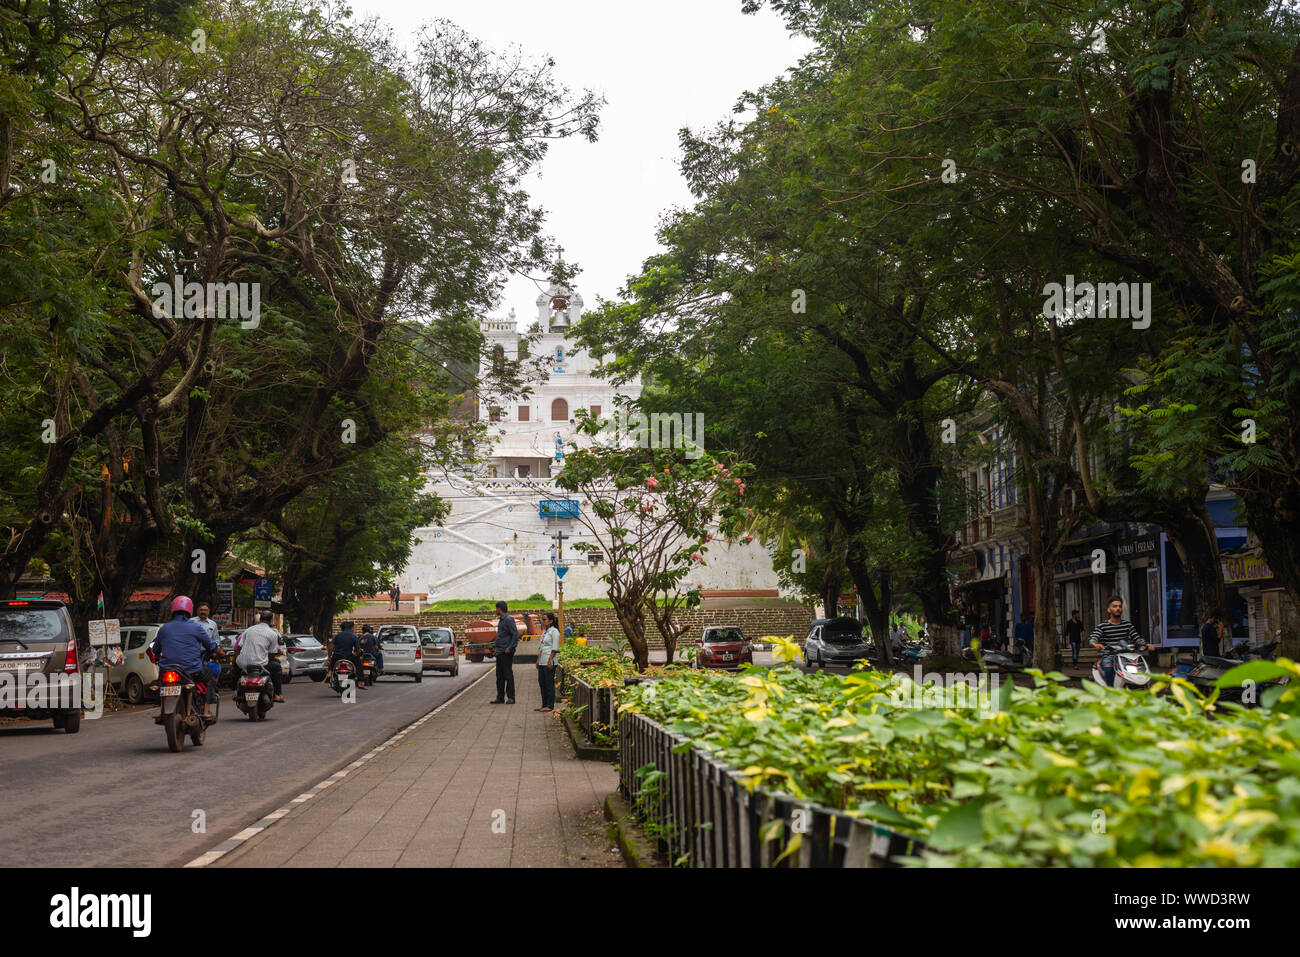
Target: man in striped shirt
x=1109, y=634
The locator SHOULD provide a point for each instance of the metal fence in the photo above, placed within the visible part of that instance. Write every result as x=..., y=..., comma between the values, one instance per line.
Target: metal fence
x=700, y=810
x=593, y=705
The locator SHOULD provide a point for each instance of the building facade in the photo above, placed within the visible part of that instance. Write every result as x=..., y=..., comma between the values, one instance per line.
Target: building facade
x=507, y=515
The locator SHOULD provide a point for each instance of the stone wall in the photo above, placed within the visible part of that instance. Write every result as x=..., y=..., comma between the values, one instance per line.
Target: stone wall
x=784, y=621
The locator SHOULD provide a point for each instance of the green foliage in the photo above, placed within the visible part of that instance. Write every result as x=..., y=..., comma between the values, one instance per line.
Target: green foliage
x=1050, y=776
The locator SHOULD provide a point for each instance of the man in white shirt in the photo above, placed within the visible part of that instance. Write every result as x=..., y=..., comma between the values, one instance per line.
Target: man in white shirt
x=258, y=646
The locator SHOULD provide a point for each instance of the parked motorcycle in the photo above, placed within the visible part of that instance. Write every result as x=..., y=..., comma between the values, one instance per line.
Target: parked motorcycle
x=1205, y=670
x=1131, y=668
x=1019, y=657
x=255, y=695
x=180, y=708
x=342, y=675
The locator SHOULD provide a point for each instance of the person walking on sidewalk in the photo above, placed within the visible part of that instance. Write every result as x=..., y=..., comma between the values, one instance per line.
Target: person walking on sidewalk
x=546, y=655
x=507, y=640
x=1074, y=634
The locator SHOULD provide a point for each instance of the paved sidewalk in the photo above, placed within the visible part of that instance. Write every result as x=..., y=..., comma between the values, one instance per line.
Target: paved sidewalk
x=474, y=785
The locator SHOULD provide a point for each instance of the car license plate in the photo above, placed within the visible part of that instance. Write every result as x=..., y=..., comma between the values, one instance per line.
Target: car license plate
x=725, y=657
x=168, y=691
x=252, y=697
x=28, y=664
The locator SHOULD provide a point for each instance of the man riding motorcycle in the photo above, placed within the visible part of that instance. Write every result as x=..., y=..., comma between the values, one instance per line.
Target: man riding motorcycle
x=346, y=645
x=259, y=646
x=370, y=646
x=1113, y=632
x=179, y=646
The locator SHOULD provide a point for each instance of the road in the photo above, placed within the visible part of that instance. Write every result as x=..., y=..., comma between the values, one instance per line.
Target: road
x=113, y=795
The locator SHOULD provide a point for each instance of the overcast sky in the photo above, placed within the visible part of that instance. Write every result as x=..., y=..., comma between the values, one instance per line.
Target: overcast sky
x=660, y=66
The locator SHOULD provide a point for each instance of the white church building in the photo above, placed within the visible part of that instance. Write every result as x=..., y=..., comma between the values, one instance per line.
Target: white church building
x=506, y=517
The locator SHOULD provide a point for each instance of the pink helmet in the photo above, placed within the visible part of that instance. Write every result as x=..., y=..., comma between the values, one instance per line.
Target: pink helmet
x=181, y=603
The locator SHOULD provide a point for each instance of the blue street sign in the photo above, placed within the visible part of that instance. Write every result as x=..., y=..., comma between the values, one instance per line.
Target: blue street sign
x=262, y=589
x=560, y=570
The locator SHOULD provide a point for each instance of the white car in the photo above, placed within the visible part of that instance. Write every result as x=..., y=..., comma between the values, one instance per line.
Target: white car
x=136, y=672
x=403, y=654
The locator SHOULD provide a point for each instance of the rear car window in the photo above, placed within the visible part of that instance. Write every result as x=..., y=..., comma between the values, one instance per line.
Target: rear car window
x=401, y=636
x=436, y=636
x=302, y=641
x=32, y=624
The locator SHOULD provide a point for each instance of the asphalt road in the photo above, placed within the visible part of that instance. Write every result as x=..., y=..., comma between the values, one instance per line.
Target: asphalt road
x=113, y=795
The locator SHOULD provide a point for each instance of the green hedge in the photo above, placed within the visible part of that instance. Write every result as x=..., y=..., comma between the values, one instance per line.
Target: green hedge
x=1049, y=776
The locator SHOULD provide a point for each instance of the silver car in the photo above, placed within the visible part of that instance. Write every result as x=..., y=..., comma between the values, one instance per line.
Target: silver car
x=403, y=653
x=439, y=645
x=136, y=673
x=835, y=641
x=306, y=657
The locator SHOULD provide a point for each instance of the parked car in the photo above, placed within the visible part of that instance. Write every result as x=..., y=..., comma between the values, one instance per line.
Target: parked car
x=37, y=636
x=835, y=641
x=439, y=647
x=403, y=653
x=306, y=657
x=724, y=648
x=132, y=678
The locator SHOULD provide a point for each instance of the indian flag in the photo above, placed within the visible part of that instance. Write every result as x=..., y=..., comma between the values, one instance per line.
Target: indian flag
x=99, y=602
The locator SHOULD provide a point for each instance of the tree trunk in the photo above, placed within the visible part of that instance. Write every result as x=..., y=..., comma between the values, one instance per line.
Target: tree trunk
x=631, y=616
x=200, y=586
x=1191, y=531
x=877, y=615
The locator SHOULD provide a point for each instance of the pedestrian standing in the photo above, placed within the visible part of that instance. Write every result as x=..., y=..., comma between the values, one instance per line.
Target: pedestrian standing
x=547, y=652
x=1210, y=634
x=507, y=640
x=395, y=596
x=1074, y=634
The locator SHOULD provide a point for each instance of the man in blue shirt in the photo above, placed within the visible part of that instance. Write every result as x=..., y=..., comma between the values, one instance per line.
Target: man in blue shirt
x=1025, y=630
x=507, y=640
x=347, y=645
x=179, y=645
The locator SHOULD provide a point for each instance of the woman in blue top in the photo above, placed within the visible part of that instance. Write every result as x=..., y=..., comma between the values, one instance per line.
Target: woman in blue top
x=547, y=652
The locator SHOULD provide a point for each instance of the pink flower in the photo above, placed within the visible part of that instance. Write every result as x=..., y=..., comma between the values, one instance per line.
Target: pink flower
x=748, y=539
x=708, y=537
x=652, y=482
x=696, y=557
x=666, y=472
x=742, y=488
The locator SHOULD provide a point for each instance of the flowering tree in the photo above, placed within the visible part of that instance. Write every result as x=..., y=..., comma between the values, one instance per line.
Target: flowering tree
x=653, y=512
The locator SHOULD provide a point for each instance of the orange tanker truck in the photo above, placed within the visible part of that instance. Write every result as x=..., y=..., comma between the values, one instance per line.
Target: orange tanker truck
x=481, y=636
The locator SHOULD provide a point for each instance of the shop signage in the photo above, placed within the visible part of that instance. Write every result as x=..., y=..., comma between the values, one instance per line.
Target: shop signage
x=1138, y=547
x=1245, y=568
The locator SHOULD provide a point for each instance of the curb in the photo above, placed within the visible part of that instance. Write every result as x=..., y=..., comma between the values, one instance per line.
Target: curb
x=230, y=844
x=585, y=750
x=636, y=848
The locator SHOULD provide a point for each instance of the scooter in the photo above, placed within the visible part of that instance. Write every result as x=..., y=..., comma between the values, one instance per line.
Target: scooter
x=1206, y=670
x=342, y=676
x=1019, y=657
x=1130, y=667
x=255, y=696
x=369, y=668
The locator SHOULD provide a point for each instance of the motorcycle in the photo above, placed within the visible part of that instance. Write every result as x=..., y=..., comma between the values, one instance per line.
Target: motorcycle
x=180, y=708
x=1206, y=670
x=369, y=668
x=1019, y=657
x=1130, y=667
x=342, y=675
x=255, y=695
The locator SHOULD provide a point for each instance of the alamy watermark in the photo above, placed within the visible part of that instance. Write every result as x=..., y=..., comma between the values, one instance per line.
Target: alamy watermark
x=1105, y=300
x=224, y=300
x=659, y=430
x=33, y=690
x=967, y=691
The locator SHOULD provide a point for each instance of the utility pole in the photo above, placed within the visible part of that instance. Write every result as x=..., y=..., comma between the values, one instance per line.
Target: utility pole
x=559, y=537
